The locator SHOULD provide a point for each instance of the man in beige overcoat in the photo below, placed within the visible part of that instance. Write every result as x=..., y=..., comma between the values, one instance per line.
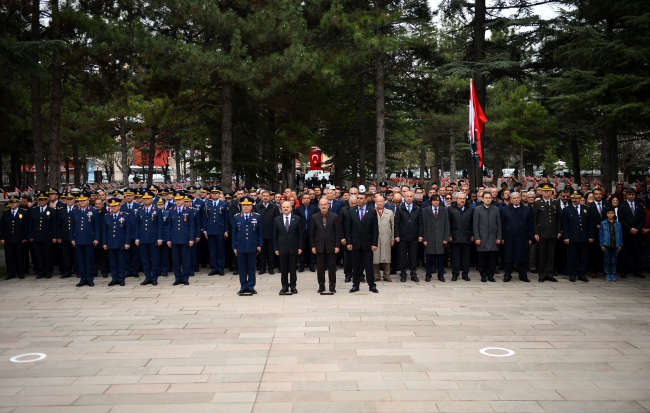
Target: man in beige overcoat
x=381, y=257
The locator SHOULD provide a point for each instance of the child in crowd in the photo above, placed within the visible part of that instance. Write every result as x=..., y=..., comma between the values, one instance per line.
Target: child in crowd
x=611, y=241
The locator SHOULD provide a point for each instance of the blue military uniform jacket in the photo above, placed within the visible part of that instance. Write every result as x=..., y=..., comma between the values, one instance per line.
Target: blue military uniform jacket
x=150, y=226
x=133, y=212
x=215, y=217
x=13, y=229
x=576, y=228
x=181, y=226
x=117, y=230
x=85, y=226
x=64, y=219
x=246, y=237
x=43, y=225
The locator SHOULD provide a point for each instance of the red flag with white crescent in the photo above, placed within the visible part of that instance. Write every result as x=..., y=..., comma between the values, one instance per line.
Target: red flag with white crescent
x=315, y=160
x=476, y=121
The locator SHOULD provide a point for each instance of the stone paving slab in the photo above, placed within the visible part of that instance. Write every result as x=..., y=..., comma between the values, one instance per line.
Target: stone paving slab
x=414, y=347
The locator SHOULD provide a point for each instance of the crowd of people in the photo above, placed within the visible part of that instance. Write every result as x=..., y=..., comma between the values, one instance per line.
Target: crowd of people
x=373, y=233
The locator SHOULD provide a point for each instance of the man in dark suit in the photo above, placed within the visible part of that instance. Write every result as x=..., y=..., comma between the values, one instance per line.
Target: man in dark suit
x=362, y=238
x=13, y=235
x=325, y=240
x=305, y=211
x=578, y=234
x=268, y=212
x=334, y=205
x=596, y=211
x=632, y=217
x=460, y=230
x=347, y=255
x=43, y=232
x=288, y=244
x=408, y=232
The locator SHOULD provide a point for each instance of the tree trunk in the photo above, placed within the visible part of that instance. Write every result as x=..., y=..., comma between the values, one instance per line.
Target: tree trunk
x=608, y=158
x=124, y=164
x=521, y=161
x=226, y=137
x=452, y=155
x=37, y=132
x=575, y=159
x=435, y=173
x=381, y=115
x=76, y=164
x=177, y=158
x=152, y=155
x=423, y=160
x=192, y=168
x=498, y=173
x=362, y=131
x=67, y=171
x=55, y=108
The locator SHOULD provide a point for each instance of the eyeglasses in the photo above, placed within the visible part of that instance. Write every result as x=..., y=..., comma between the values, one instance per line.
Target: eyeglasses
x=448, y=197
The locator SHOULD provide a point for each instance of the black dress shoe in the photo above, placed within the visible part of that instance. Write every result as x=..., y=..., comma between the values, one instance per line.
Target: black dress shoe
x=374, y=290
x=221, y=273
x=165, y=274
x=154, y=282
x=541, y=280
x=91, y=284
x=507, y=278
x=491, y=278
x=271, y=272
x=427, y=278
x=186, y=283
x=112, y=283
x=81, y=284
x=415, y=278
x=583, y=278
x=320, y=290
x=466, y=277
x=48, y=276
x=235, y=272
x=21, y=277
x=551, y=279
x=402, y=278
x=253, y=290
x=483, y=279
x=348, y=279
x=333, y=291
x=66, y=276
x=363, y=279
x=639, y=275
x=454, y=278
x=441, y=278
x=285, y=291
x=312, y=269
x=294, y=290
x=354, y=289
x=572, y=279
x=301, y=269
x=38, y=277
x=177, y=282
x=145, y=282
x=525, y=279
x=122, y=283
x=211, y=273
x=262, y=272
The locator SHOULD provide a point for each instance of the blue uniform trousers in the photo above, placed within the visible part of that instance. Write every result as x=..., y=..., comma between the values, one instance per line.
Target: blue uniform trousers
x=217, y=252
x=150, y=256
x=116, y=259
x=69, y=259
x=132, y=259
x=43, y=255
x=181, y=255
x=165, y=258
x=196, y=255
x=246, y=261
x=86, y=260
x=578, y=253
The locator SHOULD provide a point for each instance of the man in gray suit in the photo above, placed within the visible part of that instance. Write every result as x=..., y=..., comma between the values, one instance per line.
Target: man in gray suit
x=487, y=236
x=325, y=236
x=435, y=237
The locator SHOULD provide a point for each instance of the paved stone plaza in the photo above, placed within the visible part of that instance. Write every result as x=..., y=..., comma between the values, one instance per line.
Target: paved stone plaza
x=410, y=348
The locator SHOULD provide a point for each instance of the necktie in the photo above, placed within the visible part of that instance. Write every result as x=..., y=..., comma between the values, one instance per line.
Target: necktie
x=330, y=206
x=409, y=208
x=246, y=218
x=435, y=212
x=42, y=210
x=286, y=223
x=600, y=210
x=548, y=203
x=632, y=207
x=129, y=208
x=362, y=212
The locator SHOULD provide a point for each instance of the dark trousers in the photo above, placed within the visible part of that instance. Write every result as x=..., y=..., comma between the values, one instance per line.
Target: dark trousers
x=246, y=263
x=86, y=261
x=362, y=261
x=43, y=255
x=435, y=262
x=57, y=259
x=348, y=270
x=460, y=258
x=522, y=269
x=306, y=259
x=632, y=253
x=578, y=254
x=150, y=258
x=408, y=251
x=68, y=256
x=421, y=255
x=117, y=263
x=394, y=258
x=487, y=262
x=204, y=253
x=101, y=261
x=28, y=248
x=331, y=269
x=196, y=251
x=595, y=261
x=288, y=264
x=267, y=255
x=545, y=257
x=182, y=258
x=217, y=252
x=14, y=257
x=165, y=258
x=132, y=265
x=560, y=257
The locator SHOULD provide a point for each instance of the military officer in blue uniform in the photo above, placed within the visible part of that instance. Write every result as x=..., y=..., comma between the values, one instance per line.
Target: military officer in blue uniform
x=132, y=266
x=150, y=238
x=117, y=234
x=43, y=232
x=165, y=251
x=215, y=218
x=13, y=235
x=180, y=238
x=578, y=234
x=247, y=241
x=195, y=219
x=65, y=224
x=85, y=230
x=53, y=201
x=196, y=204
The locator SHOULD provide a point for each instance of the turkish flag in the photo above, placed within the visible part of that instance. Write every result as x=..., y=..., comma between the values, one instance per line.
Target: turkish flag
x=315, y=159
